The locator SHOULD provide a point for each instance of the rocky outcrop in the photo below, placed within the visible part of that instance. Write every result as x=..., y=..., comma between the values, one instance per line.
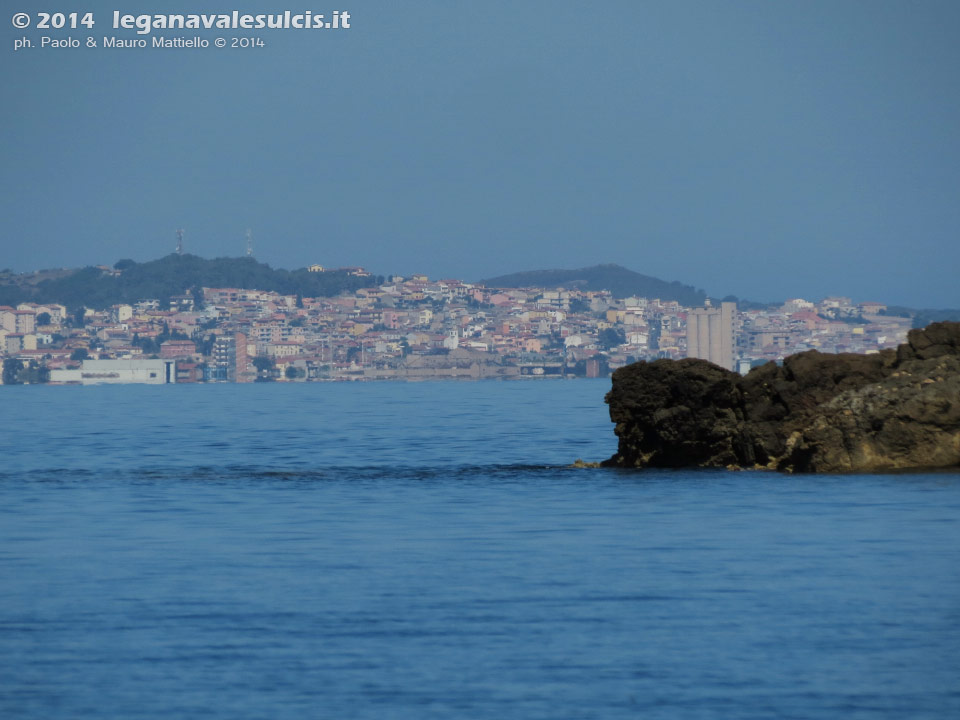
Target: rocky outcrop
x=815, y=413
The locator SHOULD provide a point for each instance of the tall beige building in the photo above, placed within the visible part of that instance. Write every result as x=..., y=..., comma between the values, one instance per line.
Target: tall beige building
x=710, y=334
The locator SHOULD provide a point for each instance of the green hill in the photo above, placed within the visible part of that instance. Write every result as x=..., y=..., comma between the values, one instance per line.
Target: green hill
x=174, y=275
x=617, y=279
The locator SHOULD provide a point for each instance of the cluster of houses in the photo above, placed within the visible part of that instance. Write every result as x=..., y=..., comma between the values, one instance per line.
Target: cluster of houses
x=407, y=328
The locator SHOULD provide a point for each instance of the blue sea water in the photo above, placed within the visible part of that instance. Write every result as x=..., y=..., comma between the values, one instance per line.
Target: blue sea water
x=423, y=551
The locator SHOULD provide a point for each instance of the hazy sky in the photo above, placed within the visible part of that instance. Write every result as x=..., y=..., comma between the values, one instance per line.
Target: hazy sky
x=768, y=149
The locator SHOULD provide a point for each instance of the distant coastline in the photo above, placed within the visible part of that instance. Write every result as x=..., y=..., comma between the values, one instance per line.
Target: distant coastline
x=183, y=319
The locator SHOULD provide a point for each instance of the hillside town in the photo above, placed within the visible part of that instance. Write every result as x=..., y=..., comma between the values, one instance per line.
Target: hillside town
x=414, y=328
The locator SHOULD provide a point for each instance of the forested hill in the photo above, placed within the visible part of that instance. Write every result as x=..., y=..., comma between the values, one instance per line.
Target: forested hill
x=172, y=275
x=617, y=279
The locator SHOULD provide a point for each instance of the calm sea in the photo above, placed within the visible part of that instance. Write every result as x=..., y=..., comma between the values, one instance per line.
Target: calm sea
x=423, y=551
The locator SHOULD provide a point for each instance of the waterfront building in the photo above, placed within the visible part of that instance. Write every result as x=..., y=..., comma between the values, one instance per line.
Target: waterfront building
x=114, y=372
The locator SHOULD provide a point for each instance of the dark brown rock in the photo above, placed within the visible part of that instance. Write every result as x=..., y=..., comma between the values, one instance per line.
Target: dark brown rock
x=815, y=413
x=674, y=414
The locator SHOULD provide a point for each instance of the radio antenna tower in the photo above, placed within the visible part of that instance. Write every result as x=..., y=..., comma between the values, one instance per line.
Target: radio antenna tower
x=249, y=242
x=180, y=241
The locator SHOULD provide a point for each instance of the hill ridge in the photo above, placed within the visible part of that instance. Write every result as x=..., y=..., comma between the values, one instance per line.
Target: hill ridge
x=620, y=281
x=174, y=275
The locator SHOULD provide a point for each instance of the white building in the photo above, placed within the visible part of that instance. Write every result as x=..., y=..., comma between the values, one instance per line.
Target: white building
x=135, y=370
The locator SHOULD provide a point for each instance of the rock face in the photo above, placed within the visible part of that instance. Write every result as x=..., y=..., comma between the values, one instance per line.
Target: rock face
x=815, y=413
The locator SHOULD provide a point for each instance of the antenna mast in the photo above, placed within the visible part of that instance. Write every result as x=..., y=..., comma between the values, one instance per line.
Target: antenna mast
x=180, y=241
x=249, y=242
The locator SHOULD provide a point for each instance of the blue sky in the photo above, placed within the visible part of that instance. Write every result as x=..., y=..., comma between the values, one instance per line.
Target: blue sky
x=765, y=149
